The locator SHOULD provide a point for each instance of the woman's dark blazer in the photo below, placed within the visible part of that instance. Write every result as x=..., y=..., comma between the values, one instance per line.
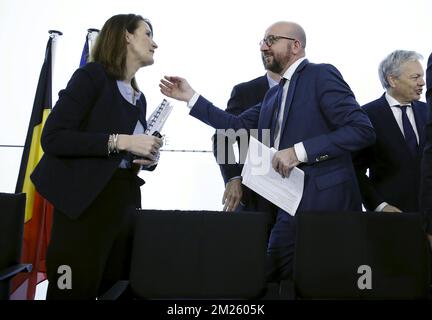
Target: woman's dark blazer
x=75, y=166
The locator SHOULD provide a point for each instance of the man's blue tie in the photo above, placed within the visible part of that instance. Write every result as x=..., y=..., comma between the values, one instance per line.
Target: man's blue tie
x=409, y=133
x=275, y=122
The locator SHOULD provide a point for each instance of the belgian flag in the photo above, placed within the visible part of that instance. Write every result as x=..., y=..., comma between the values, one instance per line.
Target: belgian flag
x=38, y=211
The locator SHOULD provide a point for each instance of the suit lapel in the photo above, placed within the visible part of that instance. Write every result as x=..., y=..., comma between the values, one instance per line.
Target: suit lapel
x=290, y=95
x=393, y=130
x=266, y=113
x=270, y=116
x=263, y=86
x=420, y=120
x=141, y=105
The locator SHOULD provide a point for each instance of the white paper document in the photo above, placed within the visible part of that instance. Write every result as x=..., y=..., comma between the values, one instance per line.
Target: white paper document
x=259, y=175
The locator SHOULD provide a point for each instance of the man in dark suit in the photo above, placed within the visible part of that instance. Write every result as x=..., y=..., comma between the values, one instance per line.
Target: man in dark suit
x=314, y=121
x=394, y=160
x=237, y=196
x=429, y=81
x=426, y=182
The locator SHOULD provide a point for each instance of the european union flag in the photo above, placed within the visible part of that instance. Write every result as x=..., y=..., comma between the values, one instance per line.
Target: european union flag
x=86, y=49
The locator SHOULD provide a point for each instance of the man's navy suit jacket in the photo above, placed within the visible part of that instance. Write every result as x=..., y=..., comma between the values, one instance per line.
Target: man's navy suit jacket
x=394, y=174
x=426, y=171
x=320, y=111
x=429, y=81
x=243, y=96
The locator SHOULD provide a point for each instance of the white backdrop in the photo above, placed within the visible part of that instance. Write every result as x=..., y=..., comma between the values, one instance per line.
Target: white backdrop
x=214, y=44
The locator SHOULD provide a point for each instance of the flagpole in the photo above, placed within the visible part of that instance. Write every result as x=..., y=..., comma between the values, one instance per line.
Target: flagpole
x=54, y=35
x=88, y=46
x=92, y=34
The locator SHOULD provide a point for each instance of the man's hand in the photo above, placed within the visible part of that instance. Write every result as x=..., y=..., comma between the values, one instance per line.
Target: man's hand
x=284, y=161
x=390, y=208
x=430, y=239
x=176, y=88
x=232, y=195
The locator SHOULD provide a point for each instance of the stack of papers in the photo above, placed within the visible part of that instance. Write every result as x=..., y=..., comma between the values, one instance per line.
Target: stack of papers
x=259, y=175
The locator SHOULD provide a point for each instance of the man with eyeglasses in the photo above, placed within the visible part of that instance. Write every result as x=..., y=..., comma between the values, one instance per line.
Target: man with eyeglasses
x=315, y=123
x=399, y=119
x=237, y=196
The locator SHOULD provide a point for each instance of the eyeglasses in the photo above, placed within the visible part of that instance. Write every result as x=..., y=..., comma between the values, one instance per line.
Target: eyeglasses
x=270, y=40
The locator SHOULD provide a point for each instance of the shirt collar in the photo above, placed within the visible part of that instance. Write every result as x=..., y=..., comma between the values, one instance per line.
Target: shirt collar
x=289, y=73
x=393, y=102
x=271, y=82
x=128, y=92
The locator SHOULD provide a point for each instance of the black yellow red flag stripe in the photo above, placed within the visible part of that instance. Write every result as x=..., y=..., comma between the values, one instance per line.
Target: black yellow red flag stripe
x=38, y=212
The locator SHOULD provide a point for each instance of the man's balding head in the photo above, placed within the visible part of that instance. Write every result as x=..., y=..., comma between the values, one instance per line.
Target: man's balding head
x=289, y=29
